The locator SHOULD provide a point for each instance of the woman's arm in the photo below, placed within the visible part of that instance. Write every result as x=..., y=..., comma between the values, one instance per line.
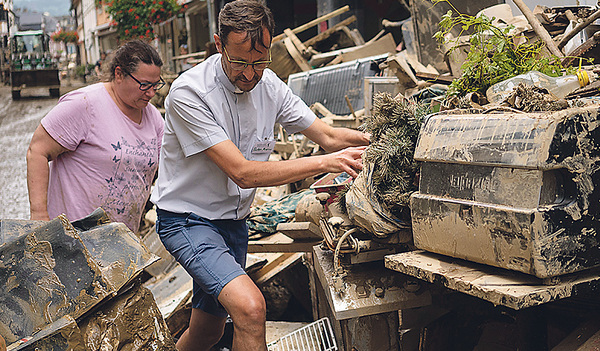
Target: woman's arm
x=42, y=149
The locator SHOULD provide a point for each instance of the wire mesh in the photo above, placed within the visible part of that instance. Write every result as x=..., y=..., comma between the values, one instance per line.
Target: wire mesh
x=317, y=336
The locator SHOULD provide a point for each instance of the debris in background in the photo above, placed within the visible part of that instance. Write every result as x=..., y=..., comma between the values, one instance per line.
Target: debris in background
x=290, y=55
x=557, y=86
x=330, y=85
x=529, y=98
x=263, y=220
x=539, y=29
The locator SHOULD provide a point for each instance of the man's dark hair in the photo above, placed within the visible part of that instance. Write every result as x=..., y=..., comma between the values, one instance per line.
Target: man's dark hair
x=129, y=55
x=248, y=16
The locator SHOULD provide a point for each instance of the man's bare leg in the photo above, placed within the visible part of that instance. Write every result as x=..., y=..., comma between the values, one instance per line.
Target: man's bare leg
x=246, y=305
x=204, y=331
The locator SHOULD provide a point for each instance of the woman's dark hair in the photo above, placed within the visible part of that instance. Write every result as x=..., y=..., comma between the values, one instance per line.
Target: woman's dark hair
x=248, y=16
x=129, y=55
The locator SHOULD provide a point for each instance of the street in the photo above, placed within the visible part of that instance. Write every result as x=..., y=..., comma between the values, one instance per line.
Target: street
x=18, y=120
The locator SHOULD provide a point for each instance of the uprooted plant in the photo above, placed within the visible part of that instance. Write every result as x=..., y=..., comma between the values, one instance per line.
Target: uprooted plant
x=494, y=55
x=394, y=127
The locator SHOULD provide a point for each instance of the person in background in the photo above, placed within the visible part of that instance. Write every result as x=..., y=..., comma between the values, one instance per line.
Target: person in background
x=219, y=132
x=99, y=146
x=185, y=62
x=98, y=66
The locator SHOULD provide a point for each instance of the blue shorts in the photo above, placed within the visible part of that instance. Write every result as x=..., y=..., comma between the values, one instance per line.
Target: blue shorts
x=213, y=252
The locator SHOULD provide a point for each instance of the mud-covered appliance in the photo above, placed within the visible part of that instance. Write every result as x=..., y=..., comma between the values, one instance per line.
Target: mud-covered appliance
x=512, y=190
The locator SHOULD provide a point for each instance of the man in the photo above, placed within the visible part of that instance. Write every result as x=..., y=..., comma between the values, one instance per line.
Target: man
x=219, y=132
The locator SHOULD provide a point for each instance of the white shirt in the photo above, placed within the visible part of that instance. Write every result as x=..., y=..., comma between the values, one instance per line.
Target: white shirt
x=202, y=110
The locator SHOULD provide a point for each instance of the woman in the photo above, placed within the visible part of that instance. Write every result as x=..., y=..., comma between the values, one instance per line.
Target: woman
x=99, y=146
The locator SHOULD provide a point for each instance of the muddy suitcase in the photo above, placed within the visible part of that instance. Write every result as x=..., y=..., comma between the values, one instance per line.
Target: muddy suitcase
x=512, y=190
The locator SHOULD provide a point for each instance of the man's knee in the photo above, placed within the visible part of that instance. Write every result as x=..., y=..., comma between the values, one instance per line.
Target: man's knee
x=251, y=313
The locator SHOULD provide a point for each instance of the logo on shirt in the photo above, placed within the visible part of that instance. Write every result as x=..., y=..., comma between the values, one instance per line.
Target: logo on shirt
x=134, y=166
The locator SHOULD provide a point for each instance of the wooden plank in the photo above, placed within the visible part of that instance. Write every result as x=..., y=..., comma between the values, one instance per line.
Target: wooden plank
x=314, y=22
x=381, y=46
x=171, y=291
x=538, y=28
x=283, y=63
x=254, y=263
x=296, y=55
x=280, y=242
x=585, y=338
x=200, y=54
x=166, y=262
x=274, y=267
x=435, y=78
x=499, y=286
x=386, y=44
x=297, y=42
x=299, y=231
x=402, y=70
x=257, y=246
x=578, y=28
x=285, y=147
x=326, y=34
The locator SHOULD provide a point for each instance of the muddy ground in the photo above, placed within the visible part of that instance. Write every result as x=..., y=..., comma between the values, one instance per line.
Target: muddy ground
x=18, y=120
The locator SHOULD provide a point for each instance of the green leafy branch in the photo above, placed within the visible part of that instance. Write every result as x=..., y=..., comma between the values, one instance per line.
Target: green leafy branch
x=494, y=54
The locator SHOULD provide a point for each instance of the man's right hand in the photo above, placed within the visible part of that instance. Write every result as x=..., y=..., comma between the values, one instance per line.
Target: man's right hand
x=348, y=160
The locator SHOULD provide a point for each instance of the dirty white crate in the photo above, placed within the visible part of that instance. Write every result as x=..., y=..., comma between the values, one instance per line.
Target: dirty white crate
x=316, y=336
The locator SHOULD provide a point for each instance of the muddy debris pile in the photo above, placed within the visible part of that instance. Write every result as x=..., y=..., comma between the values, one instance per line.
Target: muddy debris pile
x=75, y=286
x=550, y=42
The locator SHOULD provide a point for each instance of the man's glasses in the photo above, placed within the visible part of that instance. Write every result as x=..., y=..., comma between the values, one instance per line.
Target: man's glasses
x=241, y=65
x=146, y=86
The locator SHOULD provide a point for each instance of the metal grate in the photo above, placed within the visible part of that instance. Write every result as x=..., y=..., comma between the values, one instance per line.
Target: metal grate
x=316, y=336
x=330, y=85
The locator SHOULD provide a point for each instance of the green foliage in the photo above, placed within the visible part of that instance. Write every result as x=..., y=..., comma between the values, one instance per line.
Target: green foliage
x=495, y=55
x=66, y=36
x=134, y=19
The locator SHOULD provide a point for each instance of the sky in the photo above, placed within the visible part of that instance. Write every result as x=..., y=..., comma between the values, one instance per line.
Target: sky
x=54, y=7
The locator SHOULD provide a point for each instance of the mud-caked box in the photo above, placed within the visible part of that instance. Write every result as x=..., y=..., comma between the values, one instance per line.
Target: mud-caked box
x=512, y=190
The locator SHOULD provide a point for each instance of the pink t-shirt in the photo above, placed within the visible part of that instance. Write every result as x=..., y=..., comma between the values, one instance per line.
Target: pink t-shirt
x=111, y=162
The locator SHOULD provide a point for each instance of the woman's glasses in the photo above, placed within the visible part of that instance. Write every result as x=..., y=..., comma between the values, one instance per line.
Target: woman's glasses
x=146, y=86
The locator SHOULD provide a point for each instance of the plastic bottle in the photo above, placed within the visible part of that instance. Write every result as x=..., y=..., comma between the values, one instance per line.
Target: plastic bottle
x=558, y=86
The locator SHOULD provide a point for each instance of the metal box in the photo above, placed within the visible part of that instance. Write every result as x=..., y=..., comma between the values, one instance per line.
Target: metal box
x=374, y=85
x=512, y=190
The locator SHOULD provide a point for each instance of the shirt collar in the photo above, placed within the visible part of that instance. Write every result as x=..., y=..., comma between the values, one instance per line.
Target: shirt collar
x=224, y=79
